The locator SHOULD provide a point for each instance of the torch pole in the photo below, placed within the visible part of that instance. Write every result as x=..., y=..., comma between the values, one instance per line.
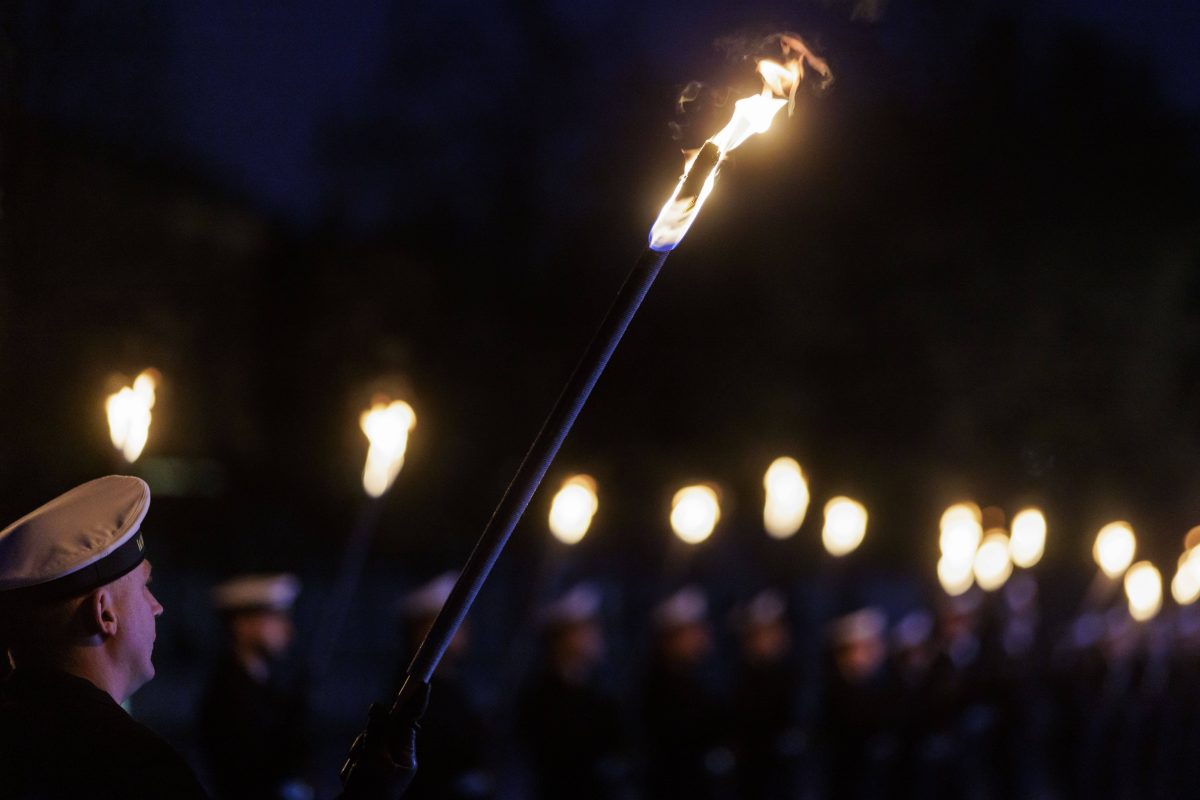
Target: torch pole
x=345, y=586
x=361, y=780
x=537, y=461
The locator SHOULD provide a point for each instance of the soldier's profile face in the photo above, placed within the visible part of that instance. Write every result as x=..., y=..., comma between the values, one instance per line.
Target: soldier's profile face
x=139, y=610
x=267, y=632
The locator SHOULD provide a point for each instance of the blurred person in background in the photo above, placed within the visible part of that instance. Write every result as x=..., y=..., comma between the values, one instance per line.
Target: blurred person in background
x=251, y=725
x=456, y=740
x=962, y=754
x=686, y=724
x=1076, y=675
x=1119, y=704
x=857, y=725
x=913, y=657
x=571, y=727
x=1179, y=733
x=1019, y=693
x=77, y=630
x=769, y=739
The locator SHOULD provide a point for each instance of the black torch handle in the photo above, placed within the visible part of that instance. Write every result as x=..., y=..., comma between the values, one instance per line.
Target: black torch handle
x=383, y=759
x=533, y=468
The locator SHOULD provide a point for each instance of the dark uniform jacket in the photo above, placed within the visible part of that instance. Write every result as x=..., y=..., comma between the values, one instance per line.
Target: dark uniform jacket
x=575, y=738
x=61, y=737
x=688, y=753
x=252, y=734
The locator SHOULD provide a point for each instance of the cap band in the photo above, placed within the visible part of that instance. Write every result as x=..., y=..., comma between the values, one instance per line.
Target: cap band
x=117, y=564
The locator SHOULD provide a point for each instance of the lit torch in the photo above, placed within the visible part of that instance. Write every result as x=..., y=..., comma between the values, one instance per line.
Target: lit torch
x=993, y=561
x=961, y=532
x=386, y=426
x=787, y=498
x=845, y=526
x=389, y=742
x=751, y=115
x=1113, y=551
x=128, y=411
x=573, y=507
x=1028, y=542
x=694, y=513
x=1143, y=588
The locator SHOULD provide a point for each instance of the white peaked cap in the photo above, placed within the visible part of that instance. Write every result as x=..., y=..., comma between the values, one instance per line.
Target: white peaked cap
x=256, y=593
x=77, y=542
x=861, y=626
x=913, y=630
x=580, y=604
x=765, y=608
x=688, y=606
x=427, y=600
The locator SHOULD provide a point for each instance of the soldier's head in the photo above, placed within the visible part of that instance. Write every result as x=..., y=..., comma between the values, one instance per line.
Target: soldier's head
x=257, y=612
x=74, y=586
x=859, y=649
x=572, y=633
x=684, y=634
x=763, y=629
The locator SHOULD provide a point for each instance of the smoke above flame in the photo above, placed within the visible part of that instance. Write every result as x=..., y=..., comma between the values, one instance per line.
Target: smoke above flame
x=751, y=115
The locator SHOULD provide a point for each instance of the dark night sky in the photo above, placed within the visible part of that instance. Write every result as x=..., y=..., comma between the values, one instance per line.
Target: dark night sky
x=968, y=268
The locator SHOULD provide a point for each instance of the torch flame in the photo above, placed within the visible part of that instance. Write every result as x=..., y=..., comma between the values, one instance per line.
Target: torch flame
x=1143, y=588
x=993, y=564
x=845, y=526
x=128, y=412
x=1185, y=586
x=386, y=426
x=573, y=507
x=1114, y=548
x=694, y=513
x=787, y=498
x=751, y=115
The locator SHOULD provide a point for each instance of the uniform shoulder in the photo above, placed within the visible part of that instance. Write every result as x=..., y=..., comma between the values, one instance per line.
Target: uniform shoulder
x=76, y=739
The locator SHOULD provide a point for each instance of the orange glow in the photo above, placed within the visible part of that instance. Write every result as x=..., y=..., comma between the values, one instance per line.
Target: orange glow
x=1192, y=540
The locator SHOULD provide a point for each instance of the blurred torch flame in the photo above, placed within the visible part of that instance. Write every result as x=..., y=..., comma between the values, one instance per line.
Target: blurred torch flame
x=787, y=498
x=1185, y=586
x=1028, y=542
x=128, y=412
x=386, y=426
x=1114, y=548
x=572, y=509
x=956, y=577
x=993, y=565
x=694, y=513
x=751, y=115
x=845, y=526
x=961, y=533
x=1143, y=588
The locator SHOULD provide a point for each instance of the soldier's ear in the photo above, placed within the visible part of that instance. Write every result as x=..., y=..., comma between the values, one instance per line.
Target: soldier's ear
x=101, y=612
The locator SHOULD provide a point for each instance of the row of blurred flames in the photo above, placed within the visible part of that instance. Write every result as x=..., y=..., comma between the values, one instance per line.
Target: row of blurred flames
x=976, y=548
